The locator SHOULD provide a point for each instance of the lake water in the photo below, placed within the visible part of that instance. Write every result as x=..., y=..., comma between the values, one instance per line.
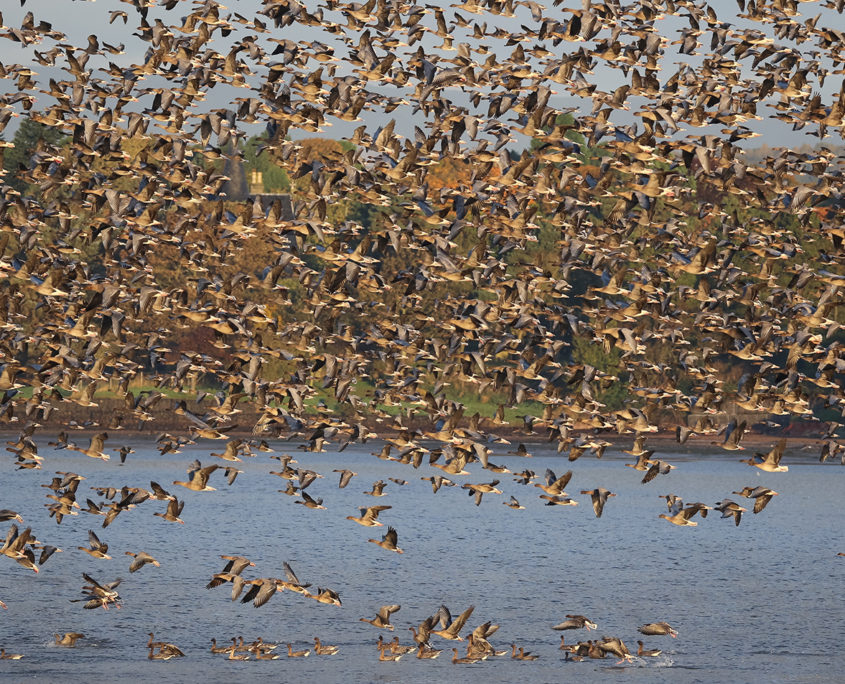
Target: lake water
x=758, y=602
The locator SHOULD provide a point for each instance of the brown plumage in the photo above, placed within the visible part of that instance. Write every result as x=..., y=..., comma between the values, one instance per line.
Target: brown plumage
x=388, y=541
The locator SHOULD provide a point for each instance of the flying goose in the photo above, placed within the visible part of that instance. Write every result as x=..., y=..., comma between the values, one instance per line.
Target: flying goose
x=657, y=629
x=95, y=449
x=382, y=618
x=575, y=622
x=450, y=629
x=770, y=462
x=198, y=475
x=174, y=510
x=96, y=548
x=388, y=541
x=761, y=496
x=329, y=597
x=599, y=496
x=369, y=516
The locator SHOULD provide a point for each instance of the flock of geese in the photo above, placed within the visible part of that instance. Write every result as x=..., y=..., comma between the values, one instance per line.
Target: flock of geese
x=621, y=248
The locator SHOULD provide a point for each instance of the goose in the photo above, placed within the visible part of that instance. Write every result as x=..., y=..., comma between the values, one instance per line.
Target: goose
x=98, y=595
x=396, y=647
x=562, y=500
x=95, y=449
x=97, y=548
x=656, y=468
x=554, y=485
x=521, y=451
x=198, y=475
x=345, y=477
x=479, y=490
x=236, y=656
x=463, y=661
x=770, y=462
x=438, y=481
x=293, y=584
x=219, y=649
x=368, y=517
x=682, y=517
x=478, y=645
x=261, y=590
x=68, y=639
x=617, y=647
x=164, y=647
x=386, y=657
x=160, y=655
x=450, y=629
x=324, y=649
x=327, y=596
x=647, y=652
x=174, y=509
x=310, y=502
x=230, y=453
x=389, y=541
x=594, y=651
x=141, y=559
x=525, y=655
x=266, y=655
x=733, y=435
x=575, y=622
x=298, y=654
x=761, y=496
x=378, y=489
x=730, y=508
x=599, y=496
x=261, y=646
x=643, y=462
x=422, y=636
x=657, y=629
x=382, y=618
x=235, y=566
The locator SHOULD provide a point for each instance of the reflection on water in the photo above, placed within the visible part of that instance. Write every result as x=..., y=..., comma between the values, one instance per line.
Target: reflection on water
x=752, y=603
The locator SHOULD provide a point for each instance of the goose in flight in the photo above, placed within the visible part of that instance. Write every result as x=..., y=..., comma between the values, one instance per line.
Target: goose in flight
x=382, y=618
x=388, y=541
x=761, y=496
x=198, y=477
x=657, y=629
x=770, y=462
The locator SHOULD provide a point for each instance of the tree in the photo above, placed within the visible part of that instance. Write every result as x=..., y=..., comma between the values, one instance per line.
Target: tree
x=29, y=137
x=274, y=177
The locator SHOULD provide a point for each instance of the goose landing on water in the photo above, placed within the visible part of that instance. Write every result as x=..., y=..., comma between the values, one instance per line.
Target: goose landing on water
x=658, y=629
x=69, y=639
x=575, y=622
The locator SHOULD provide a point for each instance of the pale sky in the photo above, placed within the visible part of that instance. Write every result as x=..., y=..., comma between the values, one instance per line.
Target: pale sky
x=79, y=18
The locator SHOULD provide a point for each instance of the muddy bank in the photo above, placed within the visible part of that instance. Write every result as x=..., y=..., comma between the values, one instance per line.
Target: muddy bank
x=111, y=415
